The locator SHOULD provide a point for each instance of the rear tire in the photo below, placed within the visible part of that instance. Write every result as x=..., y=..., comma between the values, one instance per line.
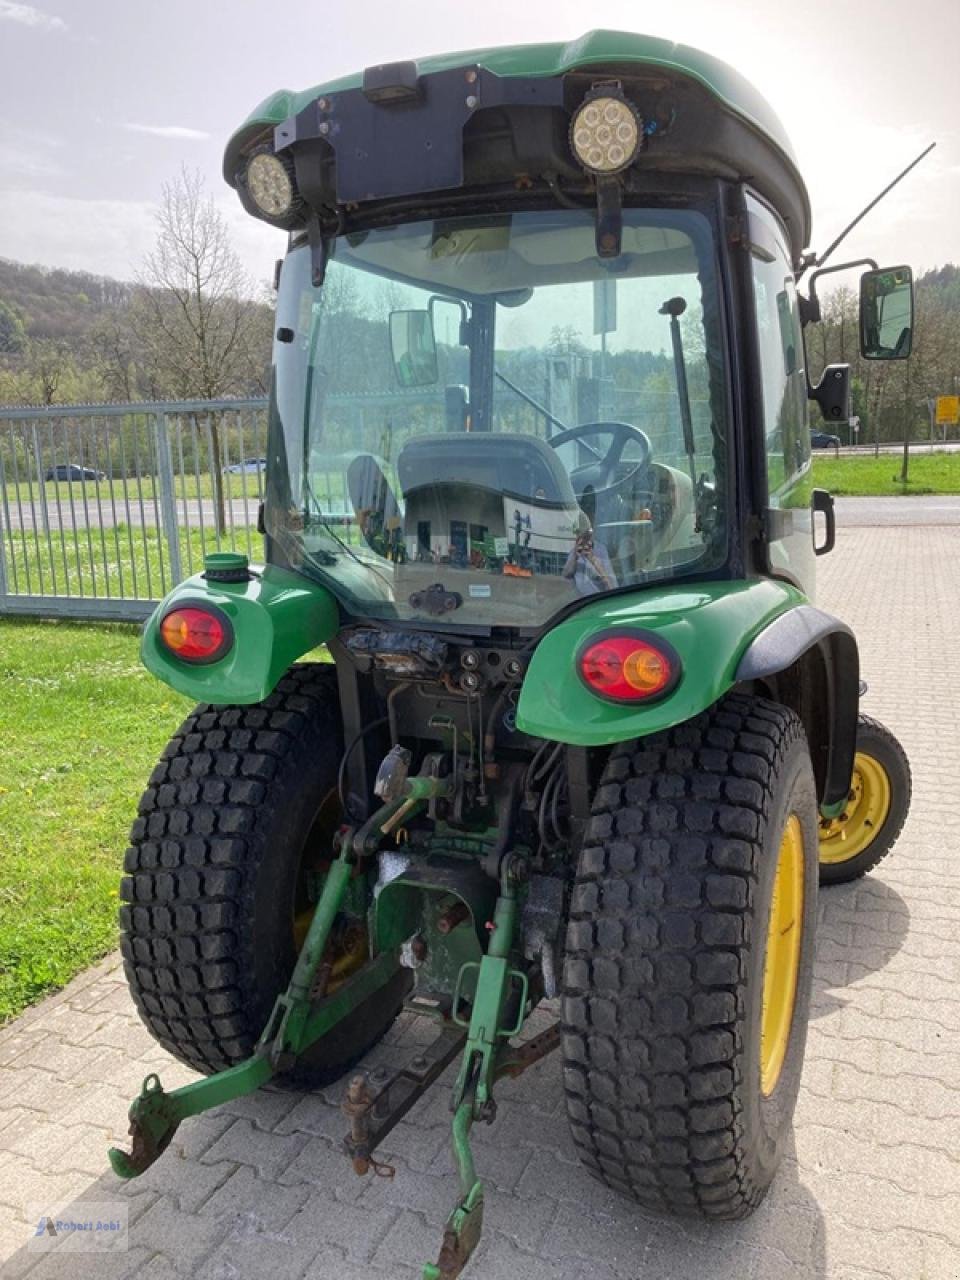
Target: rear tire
x=878, y=803
x=238, y=805
x=664, y=1031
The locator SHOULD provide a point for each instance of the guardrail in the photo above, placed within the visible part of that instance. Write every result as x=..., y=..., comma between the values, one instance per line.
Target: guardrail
x=103, y=508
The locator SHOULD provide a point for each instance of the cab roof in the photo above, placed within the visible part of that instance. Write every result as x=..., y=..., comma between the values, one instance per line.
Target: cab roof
x=597, y=49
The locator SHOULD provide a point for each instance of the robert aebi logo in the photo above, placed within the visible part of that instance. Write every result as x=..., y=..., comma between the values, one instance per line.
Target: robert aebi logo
x=95, y=1227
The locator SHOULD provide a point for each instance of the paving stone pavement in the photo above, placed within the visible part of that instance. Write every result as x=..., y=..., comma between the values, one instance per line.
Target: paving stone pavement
x=871, y=1186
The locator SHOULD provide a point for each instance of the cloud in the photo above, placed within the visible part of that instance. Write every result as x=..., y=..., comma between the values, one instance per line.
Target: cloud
x=28, y=16
x=167, y=130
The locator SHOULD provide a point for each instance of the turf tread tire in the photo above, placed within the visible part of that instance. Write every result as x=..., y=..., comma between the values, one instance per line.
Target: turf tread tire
x=875, y=739
x=205, y=950
x=662, y=929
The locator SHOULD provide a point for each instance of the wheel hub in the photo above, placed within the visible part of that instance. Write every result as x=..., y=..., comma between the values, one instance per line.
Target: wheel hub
x=868, y=803
x=782, y=961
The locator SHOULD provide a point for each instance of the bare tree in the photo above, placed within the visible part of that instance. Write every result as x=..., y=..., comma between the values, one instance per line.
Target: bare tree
x=46, y=363
x=200, y=334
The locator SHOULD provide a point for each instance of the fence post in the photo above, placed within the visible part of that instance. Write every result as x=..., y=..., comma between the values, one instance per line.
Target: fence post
x=168, y=497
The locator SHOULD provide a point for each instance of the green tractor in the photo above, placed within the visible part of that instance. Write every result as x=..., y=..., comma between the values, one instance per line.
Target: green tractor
x=539, y=479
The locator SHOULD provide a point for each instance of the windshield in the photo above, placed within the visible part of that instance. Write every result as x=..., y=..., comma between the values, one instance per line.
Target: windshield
x=479, y=418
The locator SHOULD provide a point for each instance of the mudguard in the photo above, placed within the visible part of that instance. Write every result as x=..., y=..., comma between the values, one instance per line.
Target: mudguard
x=831, y=688
x=277, y=617
x=710, y=625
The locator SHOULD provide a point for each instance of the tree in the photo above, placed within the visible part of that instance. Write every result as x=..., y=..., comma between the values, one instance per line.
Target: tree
x=200, y=335
x=12, y=336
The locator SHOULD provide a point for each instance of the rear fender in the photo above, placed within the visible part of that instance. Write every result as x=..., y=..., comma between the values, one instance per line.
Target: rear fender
x=809, y=661
x=709, y=624
x=277, y=617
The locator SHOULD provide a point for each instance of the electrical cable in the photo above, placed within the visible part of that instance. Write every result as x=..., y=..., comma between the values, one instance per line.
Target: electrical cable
x=342, y=771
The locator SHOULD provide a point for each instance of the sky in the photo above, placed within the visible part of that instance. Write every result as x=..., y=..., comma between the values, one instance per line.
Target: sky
x=102, y=101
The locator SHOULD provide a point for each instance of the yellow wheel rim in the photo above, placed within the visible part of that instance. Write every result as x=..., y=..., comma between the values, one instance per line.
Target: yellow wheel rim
x=868, y=803
x=782, y=962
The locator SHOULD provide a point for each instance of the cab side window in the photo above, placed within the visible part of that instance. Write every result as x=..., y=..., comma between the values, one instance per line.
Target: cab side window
x=784, y=385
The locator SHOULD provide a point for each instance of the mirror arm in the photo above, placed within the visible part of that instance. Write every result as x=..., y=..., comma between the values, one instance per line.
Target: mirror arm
x=810, y=307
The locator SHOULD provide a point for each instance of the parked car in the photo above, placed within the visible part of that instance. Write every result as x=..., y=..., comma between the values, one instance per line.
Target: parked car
x=250, y=467
x=73, y=471
x=823, y=440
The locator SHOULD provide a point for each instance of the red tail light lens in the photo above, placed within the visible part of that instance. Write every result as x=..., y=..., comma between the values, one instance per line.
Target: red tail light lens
x=628, y=666
x=196, y=634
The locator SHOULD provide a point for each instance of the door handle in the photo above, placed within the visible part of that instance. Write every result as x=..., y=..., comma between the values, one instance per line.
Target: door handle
x=821, y=500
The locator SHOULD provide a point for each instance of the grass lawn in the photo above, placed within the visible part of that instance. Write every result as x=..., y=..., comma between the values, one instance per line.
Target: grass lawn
x=82, y=723
x=879, y=476
x=126, y=560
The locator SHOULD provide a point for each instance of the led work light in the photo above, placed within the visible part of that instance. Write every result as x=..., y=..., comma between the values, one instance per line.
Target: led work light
x=270, y=184
x=605, y=134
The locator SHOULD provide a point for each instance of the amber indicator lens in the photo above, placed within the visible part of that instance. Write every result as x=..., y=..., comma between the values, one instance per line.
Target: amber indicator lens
x=195, y=635
x=627, y=669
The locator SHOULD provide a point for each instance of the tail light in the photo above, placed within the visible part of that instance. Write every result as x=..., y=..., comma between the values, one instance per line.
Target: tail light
x=628, y=666
x=196, y=633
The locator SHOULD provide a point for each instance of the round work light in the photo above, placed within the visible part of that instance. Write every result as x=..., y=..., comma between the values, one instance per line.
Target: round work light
x=270, y=184
x=605, y=134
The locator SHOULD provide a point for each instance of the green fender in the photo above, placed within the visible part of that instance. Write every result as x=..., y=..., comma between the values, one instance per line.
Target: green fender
x=277, y=617
x=709, y=624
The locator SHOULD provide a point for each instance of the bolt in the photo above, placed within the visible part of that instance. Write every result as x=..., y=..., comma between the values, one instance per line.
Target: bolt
x=322, y=103
x=471, y=77
x=514, y=668
x=470, y=681
x=418, y=1064
x=471, y=100
x=470, y=659
x=488, y=1112
x=324, y=128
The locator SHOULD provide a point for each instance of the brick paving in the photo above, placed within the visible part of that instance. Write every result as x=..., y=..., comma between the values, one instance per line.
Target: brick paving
x=871, y=1186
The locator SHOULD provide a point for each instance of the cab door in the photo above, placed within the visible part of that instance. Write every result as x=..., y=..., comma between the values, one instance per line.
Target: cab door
x=788, y=518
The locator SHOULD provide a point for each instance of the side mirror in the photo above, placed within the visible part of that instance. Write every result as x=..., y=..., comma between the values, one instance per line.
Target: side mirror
x=832, y=393
x=886, y=314
x=414, y=348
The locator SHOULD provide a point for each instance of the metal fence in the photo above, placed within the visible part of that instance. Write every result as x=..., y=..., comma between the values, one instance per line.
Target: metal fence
x=103, y=508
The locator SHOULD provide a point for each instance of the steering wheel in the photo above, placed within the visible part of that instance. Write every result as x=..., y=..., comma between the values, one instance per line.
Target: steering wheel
x=602, y=474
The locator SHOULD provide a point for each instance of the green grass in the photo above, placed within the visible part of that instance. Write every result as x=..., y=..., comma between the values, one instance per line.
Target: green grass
x=86, y=491
x=125, y=560
x=880, y=476
x=83, y=724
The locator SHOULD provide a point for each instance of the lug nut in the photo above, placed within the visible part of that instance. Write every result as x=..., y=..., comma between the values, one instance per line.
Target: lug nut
x=470, y=659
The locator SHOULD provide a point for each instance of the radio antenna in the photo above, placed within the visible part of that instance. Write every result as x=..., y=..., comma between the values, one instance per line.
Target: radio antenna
x=821, y=259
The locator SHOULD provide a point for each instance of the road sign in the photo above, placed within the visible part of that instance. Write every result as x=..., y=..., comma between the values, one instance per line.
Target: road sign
x=948, y=411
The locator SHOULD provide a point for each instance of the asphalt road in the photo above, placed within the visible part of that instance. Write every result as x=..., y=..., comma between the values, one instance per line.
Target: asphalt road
x=857, y=513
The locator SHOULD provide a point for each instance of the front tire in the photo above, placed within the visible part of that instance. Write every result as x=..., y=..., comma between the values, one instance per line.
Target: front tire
x=876, y=809
x=239, y=813
x=689, y=960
